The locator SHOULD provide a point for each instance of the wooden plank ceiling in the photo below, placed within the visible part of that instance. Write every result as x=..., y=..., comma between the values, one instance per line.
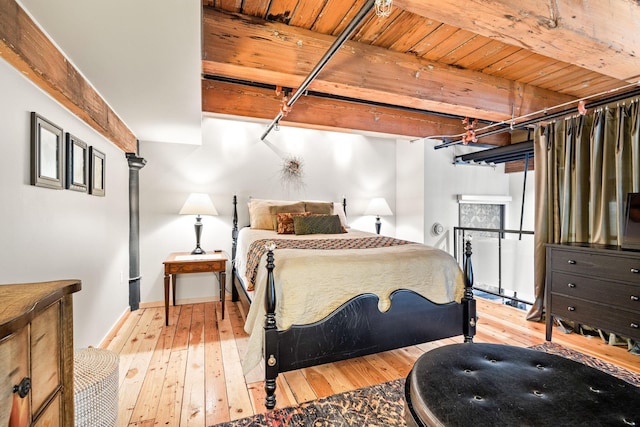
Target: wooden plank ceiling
x=419, y=71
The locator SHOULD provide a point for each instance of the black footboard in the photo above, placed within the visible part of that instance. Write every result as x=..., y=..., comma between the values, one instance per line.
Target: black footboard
x=359, y=328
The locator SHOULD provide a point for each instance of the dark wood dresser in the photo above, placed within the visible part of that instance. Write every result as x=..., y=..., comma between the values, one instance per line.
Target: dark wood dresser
x=594, y=285
x=36, y=354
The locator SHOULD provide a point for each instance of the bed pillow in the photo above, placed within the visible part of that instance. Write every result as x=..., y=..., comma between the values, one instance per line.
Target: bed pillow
x=291, y=208
x=259, y=215
x=285, y=222
x=319, y=208
x=317, y=224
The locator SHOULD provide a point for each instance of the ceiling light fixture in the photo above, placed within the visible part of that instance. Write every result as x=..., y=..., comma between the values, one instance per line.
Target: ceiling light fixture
x=383, y=7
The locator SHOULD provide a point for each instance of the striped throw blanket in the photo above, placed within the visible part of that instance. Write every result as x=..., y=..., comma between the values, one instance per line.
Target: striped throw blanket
x=258, y=248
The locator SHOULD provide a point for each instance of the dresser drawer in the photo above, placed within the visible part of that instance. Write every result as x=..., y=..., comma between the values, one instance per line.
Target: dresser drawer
x=14, y=367
x=614, y=267
x=622, y=322
x=598, y=290
x=45, y=353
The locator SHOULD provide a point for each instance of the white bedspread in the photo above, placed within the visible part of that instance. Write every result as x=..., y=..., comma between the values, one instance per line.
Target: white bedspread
x=310, y=284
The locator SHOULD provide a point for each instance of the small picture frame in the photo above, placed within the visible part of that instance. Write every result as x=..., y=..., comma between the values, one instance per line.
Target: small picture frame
x=96, y=174
x=77, y=164
x=47, y=153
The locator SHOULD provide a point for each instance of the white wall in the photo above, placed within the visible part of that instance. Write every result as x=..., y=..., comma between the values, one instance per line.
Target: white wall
x=410, y=191
x=233, y=159
x=518, y=261
x=61, y=234
x=512, y=216
x=444, y=181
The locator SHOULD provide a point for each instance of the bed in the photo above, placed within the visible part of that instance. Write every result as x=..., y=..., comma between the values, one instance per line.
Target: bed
x=340, y=295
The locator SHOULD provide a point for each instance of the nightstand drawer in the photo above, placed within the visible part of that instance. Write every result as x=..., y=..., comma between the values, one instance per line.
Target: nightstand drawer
x=196, y=267
x=622, y=322
x=598, y=290
x=597, y=265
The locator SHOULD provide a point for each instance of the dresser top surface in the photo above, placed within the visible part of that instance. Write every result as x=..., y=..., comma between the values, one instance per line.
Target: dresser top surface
x=21, y=302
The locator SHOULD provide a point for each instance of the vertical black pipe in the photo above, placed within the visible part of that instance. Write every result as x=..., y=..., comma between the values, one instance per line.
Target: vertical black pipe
x=524, y=190
x=135, y=164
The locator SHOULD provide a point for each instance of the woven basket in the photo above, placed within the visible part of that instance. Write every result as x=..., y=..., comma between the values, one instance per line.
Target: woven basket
x=95, y=384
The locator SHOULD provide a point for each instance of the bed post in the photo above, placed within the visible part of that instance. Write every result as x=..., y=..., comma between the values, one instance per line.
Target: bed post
x=234, y=247
x=469, y=328
x=270, y=333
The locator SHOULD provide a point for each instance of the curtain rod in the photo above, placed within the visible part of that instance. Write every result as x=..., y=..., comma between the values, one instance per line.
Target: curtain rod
x=545, y=117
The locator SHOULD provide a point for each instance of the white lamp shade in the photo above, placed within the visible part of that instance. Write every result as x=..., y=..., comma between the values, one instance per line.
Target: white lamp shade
x=198, y=204
x=378, y=207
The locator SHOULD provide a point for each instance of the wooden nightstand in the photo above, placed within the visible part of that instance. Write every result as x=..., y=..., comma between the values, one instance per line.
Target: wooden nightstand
x=184, y=262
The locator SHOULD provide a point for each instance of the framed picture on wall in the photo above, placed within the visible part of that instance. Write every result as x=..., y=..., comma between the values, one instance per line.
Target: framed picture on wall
x=96, y=172
x=47, y=153
x=77, y=164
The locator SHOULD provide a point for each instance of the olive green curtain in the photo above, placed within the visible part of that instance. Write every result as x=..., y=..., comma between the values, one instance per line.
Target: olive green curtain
x=585, y=166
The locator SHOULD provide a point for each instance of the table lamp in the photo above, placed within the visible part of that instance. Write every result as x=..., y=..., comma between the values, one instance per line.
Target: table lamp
x=198, y=204
x=378, y=207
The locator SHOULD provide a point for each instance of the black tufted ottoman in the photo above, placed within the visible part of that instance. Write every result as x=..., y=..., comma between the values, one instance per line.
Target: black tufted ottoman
x=499, y=385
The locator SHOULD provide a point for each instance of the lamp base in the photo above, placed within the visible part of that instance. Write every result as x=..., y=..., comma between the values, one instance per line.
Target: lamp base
x=198, y=228
x=378, y=225
x=198, y=251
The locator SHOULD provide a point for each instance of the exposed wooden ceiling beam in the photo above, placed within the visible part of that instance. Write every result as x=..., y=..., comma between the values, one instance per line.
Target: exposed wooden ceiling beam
x=600, y=36
x=28, y=49
x=240, y=100
x=238, y=46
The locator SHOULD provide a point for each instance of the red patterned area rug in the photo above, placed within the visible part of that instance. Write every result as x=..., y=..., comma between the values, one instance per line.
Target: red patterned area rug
x=378, y=405
x=383, y=404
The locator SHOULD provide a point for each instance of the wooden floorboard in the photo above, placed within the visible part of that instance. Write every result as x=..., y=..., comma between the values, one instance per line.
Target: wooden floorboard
x=189, y=373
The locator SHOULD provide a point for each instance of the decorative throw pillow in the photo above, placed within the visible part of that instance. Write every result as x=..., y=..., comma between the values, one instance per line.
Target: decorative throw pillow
x=285, y=222
x=320, y=208
x=317, y=224
x=291, y=208
x=259, y=215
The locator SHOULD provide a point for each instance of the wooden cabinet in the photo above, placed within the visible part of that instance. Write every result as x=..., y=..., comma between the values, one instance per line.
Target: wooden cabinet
x=595, y=285
x=36, y=353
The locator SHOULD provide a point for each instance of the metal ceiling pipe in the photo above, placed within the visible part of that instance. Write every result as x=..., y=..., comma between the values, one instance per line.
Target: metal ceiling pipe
x=548, y=117
x=323, y=61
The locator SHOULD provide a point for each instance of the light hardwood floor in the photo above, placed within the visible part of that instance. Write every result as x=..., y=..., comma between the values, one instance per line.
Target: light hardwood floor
x=189, y=373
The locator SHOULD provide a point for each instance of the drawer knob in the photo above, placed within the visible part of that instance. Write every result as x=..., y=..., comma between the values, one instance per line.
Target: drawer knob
x=571, y=285
x=635, y=270
x=634, y=325
x=635, y=298
x=570, y=308
x=23, y=388
x=571, y=261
